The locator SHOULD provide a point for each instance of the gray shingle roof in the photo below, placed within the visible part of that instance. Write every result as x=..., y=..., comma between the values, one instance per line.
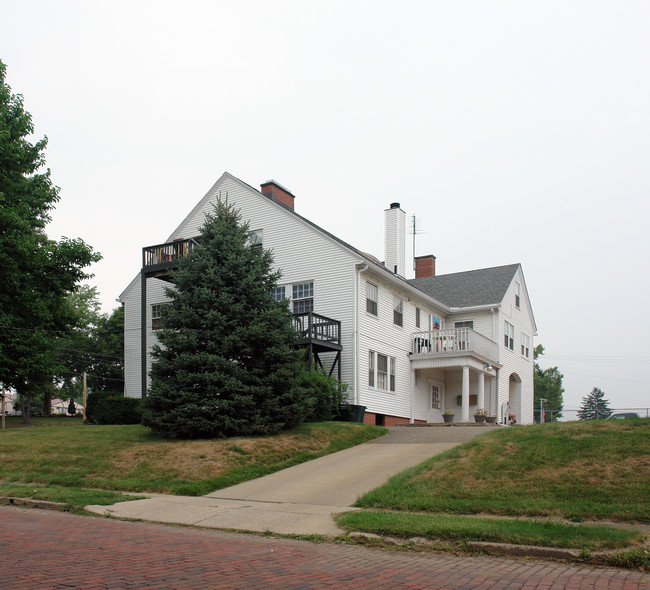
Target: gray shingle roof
x=485, y=286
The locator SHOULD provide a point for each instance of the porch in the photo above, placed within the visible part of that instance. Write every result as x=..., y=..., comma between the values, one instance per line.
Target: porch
x=454, y=371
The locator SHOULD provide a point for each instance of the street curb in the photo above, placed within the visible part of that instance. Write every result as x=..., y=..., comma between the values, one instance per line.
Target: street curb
x=30, y=503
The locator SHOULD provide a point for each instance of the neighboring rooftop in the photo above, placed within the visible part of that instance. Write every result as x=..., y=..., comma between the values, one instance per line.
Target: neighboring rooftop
x=485, y=286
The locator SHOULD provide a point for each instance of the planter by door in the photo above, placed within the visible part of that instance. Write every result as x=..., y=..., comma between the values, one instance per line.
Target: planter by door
x=479, y=418
x=448, y=417
x=491, y=419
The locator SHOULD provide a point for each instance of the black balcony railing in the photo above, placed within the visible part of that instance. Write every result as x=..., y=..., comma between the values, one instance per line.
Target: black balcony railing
x=166, y=256
x=313, y=327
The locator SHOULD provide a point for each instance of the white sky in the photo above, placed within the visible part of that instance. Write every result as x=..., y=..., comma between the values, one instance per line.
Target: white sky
x=514, y=131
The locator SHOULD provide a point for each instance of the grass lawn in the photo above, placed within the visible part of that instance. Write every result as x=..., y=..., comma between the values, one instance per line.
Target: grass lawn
x=592, y=470
x=63, y=452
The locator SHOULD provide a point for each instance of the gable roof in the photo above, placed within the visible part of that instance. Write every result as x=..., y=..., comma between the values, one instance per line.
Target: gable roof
x=486, y=286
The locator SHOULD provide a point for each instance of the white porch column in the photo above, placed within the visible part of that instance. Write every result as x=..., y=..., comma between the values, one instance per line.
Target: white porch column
x=480, y=398
x=465, y=396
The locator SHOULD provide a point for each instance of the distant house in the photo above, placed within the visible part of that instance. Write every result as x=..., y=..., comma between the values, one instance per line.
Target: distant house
x=409, y=350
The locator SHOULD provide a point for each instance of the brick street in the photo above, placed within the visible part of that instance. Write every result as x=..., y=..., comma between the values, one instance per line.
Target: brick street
x=53, y=550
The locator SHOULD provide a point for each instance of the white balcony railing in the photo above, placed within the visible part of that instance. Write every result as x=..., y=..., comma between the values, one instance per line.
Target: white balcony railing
x=462, y=340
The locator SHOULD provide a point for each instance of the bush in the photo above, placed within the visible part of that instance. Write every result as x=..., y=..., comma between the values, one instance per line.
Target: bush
x=104, y=407
x=326, y=396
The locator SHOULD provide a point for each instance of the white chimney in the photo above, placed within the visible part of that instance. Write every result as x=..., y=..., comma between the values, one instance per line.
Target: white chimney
x=395, y=239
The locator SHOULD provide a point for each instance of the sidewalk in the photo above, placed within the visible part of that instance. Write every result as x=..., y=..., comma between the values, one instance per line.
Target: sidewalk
x=300, y=500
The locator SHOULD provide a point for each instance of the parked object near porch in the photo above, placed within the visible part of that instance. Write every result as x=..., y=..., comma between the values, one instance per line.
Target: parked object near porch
x=357, y=413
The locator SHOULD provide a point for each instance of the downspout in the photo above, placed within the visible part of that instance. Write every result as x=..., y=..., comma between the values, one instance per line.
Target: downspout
x=357, y=290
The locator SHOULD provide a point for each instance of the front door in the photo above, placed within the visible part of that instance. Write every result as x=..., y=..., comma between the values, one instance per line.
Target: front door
x=436, y=396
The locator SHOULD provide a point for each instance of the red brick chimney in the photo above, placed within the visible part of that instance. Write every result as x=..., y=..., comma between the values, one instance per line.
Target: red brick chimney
x=276, y=192
x=425, y=266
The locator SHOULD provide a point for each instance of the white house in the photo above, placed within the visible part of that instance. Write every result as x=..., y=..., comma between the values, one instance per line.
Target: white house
x=408, y=349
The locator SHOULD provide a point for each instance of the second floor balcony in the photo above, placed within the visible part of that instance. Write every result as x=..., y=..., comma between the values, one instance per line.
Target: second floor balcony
x=317, y=329
x=462, y=341
x=160, y=259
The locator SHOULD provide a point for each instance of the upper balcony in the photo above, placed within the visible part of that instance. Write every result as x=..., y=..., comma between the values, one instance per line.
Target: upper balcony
x=158, y=261
x=459, y=342
x=317, y=329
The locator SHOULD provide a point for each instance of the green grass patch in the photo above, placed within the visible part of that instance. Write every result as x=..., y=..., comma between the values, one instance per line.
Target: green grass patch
x=131, y=458
x=590, y=470
x=513, y=531
x=69, y=496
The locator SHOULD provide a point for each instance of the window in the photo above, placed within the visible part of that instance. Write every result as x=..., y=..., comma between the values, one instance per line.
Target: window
x=525, y=345
x=398, y=311
x=372, y=298
x=278, y=293
x=417, y=317
x=255, y=238
x=435, y=397
x=157, y=321
x=517, y=295
x=509, y=336
x=381, y=371
x=465, y=324
x=303, y=298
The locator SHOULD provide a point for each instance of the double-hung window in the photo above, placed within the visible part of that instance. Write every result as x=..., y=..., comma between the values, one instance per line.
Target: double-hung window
x=398, y=311
x=525, y=345
x=372, y=298
x=509, y=336
x=303, y=298
x=157, y=320
x=381, y=371
x=278, y=293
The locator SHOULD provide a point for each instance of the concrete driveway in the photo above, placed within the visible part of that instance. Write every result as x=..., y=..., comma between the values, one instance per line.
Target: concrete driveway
x=300, y=500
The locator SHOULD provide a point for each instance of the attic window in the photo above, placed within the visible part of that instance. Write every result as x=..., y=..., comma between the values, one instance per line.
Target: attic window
x=255, y=238
x=517, y=295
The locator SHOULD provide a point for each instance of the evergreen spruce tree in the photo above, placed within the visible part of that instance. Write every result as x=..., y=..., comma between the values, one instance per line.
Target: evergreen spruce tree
x=224, y=365
x=594, y=406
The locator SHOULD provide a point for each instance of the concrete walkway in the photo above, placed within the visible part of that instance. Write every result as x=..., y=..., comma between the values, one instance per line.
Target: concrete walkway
x=300, y=500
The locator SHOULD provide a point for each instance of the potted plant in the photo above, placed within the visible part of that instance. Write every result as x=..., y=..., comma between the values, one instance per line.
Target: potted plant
x=448, y=416
x=512, y=419
x=479, y=415
x=491, y=418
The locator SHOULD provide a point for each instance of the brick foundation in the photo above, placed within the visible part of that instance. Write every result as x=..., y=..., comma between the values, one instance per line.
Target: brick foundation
x=386, y=420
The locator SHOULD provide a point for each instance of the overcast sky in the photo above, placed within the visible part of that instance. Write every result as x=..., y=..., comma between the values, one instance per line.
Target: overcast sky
x=514, y=132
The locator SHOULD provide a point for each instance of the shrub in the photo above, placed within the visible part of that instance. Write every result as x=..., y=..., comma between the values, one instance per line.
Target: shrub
x=326, y=396
x=105, y=407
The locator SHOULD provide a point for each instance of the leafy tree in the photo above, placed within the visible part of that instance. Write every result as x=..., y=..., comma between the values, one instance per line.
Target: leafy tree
x=594, y=406
x=38, y=273
x=94, y=345
x=225, y=364
x=548, y=385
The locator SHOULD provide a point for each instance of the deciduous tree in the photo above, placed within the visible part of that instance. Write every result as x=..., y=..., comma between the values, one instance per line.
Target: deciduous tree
x=38, y=273
x=548, y=386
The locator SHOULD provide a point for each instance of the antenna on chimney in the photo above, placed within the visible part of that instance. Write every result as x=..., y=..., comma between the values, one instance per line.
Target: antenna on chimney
x=415, y=231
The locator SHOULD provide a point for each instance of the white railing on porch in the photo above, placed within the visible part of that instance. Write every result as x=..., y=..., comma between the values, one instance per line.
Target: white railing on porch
x=454, y=341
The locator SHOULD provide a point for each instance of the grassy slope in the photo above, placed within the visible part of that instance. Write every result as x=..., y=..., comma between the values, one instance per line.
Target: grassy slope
x=580, y=470
x=131, y=458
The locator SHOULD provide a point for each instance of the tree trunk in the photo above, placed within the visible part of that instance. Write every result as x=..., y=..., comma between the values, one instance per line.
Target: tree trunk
x=25, y=408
